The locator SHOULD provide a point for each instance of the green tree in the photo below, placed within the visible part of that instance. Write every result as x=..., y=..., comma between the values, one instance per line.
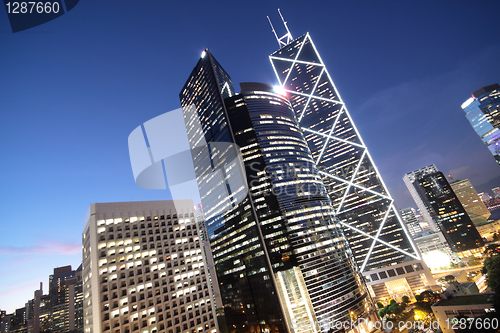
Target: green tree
x=425, y=300
x=474, y=262
x=380, y=305
x=492, y=269
x=392, y=302
x=449, y=279
x=396, y=308
x=405, y=299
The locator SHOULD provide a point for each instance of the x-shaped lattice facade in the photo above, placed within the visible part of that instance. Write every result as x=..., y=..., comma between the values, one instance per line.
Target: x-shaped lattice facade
x=364, y=206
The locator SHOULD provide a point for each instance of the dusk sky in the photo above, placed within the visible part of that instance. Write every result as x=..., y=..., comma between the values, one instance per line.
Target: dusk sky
x=73, y=89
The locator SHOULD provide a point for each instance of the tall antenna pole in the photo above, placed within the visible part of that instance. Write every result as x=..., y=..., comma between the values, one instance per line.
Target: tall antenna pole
x=285, y=39
x=288, y=34
x=275, y=35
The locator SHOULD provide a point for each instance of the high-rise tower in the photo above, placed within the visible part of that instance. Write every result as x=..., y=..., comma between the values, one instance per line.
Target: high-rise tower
x=470, y=200
x=381, y=244
x=483, y=112
x=452, y=219
x=417, y=193
x=279, y=253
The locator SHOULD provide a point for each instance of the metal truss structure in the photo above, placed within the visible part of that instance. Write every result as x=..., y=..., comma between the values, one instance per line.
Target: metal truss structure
x=375, y=231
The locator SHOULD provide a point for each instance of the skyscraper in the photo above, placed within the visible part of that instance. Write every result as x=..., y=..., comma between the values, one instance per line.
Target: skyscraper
x=483, y=112
x=452, y=219
x=66, y=300
x=470, y=200
x=382, y=246
x=143, y=269
x=279, y=252
x=417, y=193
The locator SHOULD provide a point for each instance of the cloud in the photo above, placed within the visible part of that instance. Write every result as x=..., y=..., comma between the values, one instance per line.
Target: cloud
x=49, y=248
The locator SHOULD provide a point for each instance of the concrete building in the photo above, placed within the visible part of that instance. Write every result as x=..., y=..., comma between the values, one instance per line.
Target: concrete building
x=470, y=200
x=496, y=192
x=474, y=305
x=143, y=269
x=488, y=229
x=433, y=245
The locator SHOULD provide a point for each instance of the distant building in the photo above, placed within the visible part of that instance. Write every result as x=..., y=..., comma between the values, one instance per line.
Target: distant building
x=430, y=242
x=470, y=200
x=448, y=309
x=496, y=192
x=484, y=196
x=66, y=300
x=488, y=230
x=143, y=269
x=409, y=216
x=464, y=288
x=483, y=112
x=452, y=219
x=58, y=311
x=417, y=193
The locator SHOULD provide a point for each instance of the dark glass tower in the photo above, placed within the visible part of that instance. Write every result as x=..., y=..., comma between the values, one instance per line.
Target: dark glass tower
x=279, y=252
x=248, y=295
x=483, y=112
x=452, y=219
x=381, y=244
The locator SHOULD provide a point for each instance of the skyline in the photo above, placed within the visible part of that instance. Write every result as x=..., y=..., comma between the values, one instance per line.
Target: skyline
x=111, y=76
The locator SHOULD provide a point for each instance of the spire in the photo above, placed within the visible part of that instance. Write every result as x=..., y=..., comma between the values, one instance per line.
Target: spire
x=286, y=38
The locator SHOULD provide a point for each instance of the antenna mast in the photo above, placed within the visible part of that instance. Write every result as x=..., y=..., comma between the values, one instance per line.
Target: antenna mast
x=285, y=39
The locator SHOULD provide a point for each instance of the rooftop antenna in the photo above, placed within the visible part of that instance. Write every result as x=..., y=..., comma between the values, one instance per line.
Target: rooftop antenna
x=285, y=39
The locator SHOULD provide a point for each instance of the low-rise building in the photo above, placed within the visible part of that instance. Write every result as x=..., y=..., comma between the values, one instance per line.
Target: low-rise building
x=474, y=305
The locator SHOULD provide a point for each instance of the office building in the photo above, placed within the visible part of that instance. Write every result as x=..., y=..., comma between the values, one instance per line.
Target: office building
x=468, y=305
x=452, y=219
x=411, y=182
x=435, y=249
x=485, y=197
x=489, y=230
x=483, y=112
x=66, y=300
x=470, y=200
x=279, y=253
x=496, y=192
x=143, y=269
x=409, y=216
x=382, y=246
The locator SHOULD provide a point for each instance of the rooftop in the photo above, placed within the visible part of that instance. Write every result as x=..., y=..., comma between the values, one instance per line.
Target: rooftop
x=466, y=300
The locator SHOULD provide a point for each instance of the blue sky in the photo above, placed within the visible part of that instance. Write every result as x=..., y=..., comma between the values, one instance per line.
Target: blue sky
x=73, y=89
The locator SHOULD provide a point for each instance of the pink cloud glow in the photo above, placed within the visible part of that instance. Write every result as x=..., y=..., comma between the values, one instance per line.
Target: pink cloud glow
x=50, y=248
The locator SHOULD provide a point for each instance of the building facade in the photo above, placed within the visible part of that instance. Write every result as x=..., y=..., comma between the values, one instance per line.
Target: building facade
x=65, y=300
x=425, y=208
x=452, y=219
x=143, y=269
x=473, y=305
x=279, y=253
x=483, y=112
x=409, y=216
x=468, y=197
x=382, y=246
